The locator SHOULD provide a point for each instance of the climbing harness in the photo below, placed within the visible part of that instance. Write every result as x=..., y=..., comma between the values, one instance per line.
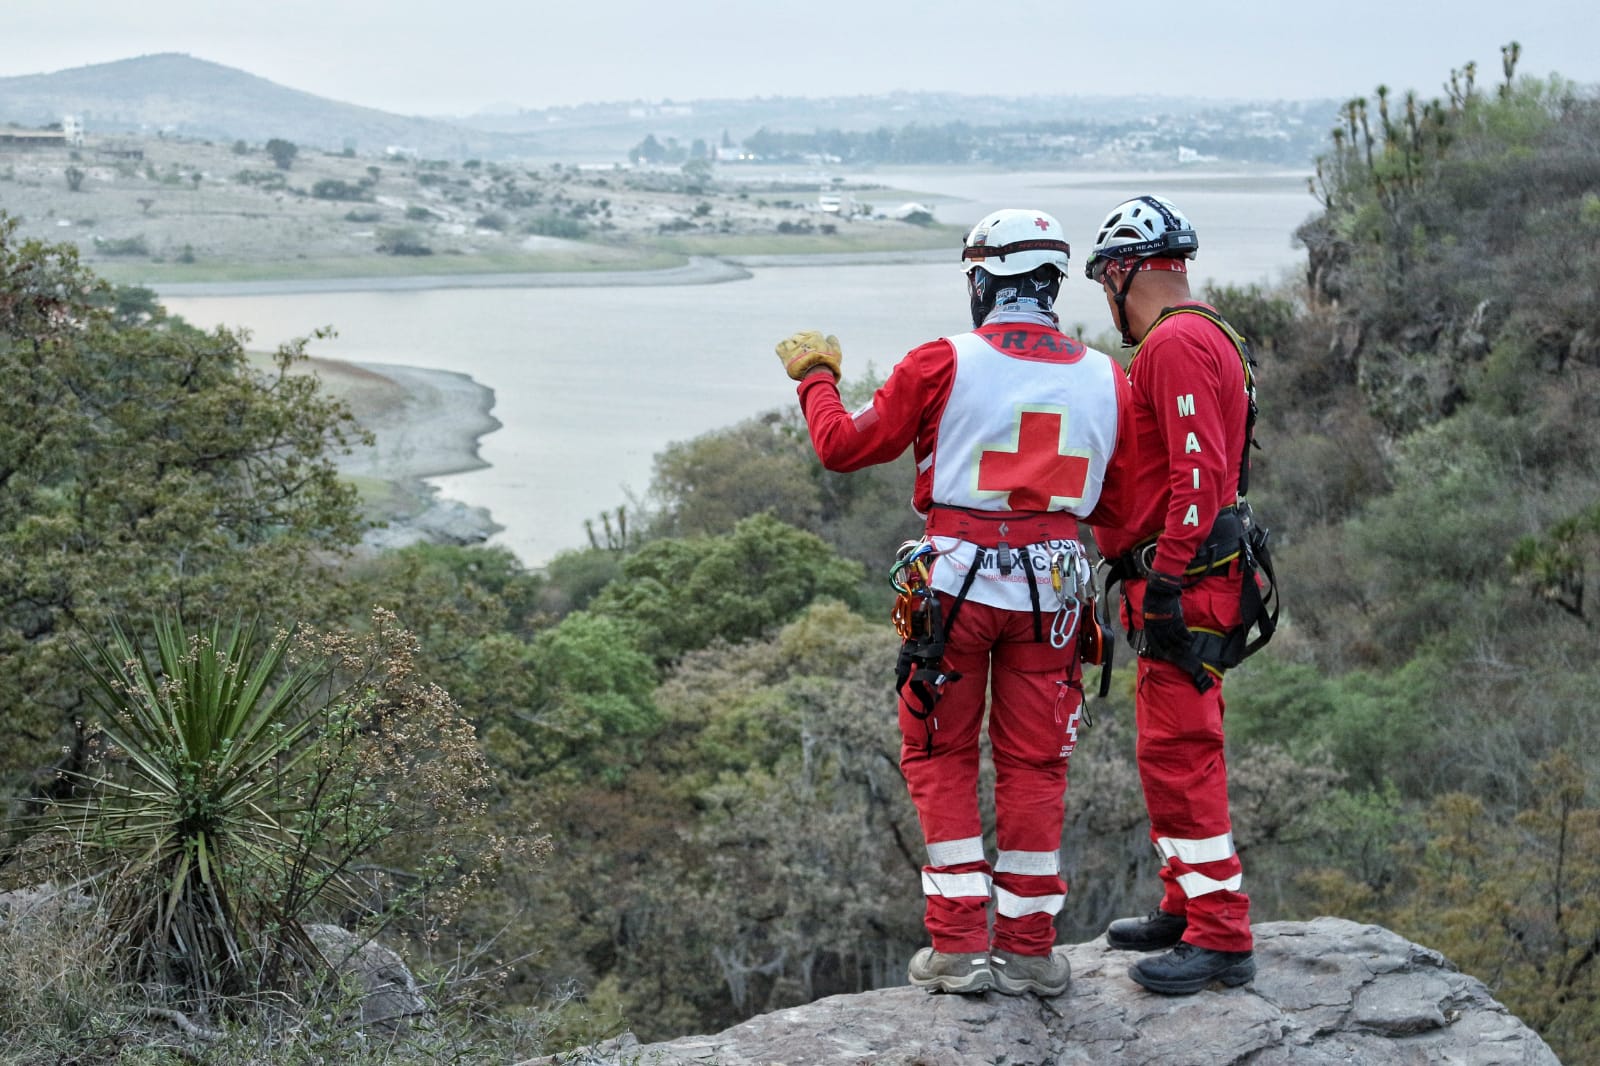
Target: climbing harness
x=923, y=630
x=1073, y=579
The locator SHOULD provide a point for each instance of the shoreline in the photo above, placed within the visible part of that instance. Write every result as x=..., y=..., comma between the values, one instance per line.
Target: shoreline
x=425, y=423
x=428, y=422
x=699, y=270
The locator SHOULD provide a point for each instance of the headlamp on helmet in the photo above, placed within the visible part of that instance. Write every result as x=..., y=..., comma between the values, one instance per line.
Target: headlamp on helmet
x=1141, y=228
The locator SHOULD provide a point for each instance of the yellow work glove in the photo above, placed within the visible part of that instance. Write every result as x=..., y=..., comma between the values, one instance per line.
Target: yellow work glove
x=805, y=351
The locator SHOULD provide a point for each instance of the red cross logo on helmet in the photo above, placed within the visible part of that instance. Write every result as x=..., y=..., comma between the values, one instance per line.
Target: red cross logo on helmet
x=1042, y=223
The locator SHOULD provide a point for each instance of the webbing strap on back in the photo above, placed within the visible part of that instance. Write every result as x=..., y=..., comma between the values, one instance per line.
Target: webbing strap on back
x=1246, y=360
x=1227, y=650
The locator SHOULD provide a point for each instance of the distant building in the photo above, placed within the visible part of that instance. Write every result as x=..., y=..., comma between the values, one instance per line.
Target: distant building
x=72, y=129
x=118, y=150
x=17, y=137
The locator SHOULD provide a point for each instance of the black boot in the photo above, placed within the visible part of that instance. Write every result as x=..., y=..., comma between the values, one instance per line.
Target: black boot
x=1187, y=969
x=1156, y=931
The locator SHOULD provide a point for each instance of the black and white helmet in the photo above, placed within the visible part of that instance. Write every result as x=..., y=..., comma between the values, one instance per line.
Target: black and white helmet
x=1140, y=228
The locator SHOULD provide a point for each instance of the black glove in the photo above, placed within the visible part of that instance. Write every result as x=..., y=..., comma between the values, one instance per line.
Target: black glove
x=1165, y=635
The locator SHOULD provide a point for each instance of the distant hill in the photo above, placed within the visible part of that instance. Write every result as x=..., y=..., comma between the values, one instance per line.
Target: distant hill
x=183, y=96
x=191, y=97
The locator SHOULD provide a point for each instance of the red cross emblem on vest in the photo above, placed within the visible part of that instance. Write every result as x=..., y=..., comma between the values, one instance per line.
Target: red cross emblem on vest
x=1037, y=470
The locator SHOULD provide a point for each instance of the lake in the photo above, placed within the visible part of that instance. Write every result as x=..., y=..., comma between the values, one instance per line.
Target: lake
x=591, y=383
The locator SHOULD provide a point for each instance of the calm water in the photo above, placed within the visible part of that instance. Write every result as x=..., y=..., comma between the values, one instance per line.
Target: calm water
x=591, y=383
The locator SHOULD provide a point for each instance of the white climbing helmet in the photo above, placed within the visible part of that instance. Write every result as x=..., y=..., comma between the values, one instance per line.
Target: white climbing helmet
x=1138, y=228
x=1014, y=241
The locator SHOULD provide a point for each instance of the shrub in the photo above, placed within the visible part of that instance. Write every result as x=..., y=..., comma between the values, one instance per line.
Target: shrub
x=269, y=180
x=135, y=245
x=402, y=240
x=238, y=784
x=554, y=226
x=336, y=189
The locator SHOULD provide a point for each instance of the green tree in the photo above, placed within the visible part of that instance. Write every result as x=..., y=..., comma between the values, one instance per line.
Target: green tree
x=708, y=484
x=282, y=152
x=762, y=849
x=1516, y=901
x=698, y=172
x=143, y=463
x=648, y=150
x=677, y=594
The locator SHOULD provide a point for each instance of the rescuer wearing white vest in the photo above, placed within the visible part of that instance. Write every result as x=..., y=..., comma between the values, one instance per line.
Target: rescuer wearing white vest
x=1019, y=431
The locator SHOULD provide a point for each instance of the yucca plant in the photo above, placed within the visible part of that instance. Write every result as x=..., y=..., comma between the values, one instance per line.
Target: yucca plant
x=240, y=776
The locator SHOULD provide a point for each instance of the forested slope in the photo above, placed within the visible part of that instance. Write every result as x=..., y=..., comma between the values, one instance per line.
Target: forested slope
x=1431, y=439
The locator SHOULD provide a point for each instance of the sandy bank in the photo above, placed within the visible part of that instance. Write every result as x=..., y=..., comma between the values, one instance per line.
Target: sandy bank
x=425, y=423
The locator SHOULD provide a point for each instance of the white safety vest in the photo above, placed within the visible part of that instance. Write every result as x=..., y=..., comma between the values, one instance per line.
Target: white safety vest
x=1019, y=434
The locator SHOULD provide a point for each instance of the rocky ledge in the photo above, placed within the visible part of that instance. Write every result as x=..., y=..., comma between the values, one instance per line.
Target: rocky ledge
x=1327, y=991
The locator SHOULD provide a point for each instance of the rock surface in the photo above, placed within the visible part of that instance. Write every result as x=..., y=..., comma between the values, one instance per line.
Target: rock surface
x=389, y=998
x=1328, y=991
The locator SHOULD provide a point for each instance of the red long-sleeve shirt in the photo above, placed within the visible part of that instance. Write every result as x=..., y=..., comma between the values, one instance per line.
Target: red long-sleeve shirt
x=1189, y=409
x=906, y=410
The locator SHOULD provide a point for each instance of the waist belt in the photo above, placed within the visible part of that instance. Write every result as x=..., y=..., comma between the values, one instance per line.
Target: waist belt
x=996, y=529
x=1235, y=538
x=1216, y=555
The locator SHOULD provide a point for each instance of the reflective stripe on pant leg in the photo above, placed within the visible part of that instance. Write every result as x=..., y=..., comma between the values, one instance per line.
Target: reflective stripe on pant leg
x=1032, y=722
x=973, y=885
x=1183, y=770
x=956, y=911
x=1183, y=856
x=1038, y=870
x=957, y=852
x=943, y=784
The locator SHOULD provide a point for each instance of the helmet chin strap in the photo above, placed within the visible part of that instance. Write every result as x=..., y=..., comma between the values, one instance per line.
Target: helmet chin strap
x=978, y=298
x=1121, y=299
x=1144, y=262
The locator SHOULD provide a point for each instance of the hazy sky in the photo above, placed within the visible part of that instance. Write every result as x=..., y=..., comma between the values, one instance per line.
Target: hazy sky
x=419, y=57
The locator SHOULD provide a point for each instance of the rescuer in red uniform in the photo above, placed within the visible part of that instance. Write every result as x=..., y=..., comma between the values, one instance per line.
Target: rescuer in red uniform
x=1018, y=431
x=1182, y=594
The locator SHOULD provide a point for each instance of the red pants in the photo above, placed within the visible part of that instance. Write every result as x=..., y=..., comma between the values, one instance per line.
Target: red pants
x=1033, y=725
x=1185, y=779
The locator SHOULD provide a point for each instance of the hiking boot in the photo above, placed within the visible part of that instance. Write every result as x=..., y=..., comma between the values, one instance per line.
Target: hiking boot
x=1187, y=969
x=965, y=974
x=1046, y=975
x=1156, y=931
